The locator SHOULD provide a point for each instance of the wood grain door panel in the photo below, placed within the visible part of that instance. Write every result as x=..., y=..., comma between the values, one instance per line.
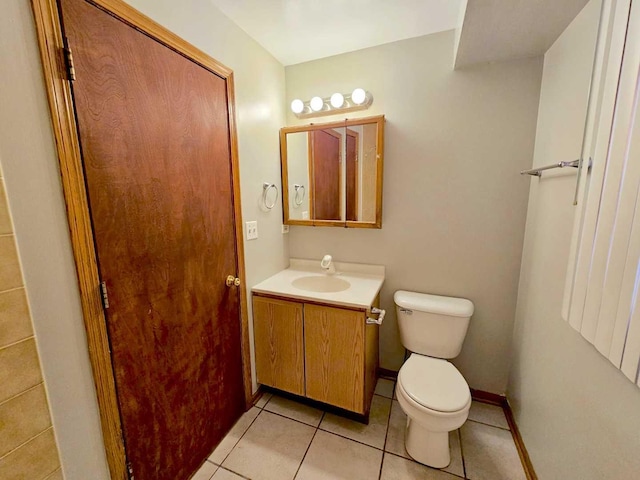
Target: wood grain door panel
x=155, y=142
x=334, y=341
x=325, y=145
x=277, y=326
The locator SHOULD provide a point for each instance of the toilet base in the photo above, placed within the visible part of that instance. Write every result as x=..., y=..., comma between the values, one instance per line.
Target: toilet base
x=427, y=447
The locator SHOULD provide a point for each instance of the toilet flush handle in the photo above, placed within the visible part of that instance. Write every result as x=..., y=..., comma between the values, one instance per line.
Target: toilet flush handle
x=378, y=321
x=406, y=310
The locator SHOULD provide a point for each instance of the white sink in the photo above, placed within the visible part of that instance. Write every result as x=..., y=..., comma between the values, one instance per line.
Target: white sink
x=356, y=286
x=321, y=284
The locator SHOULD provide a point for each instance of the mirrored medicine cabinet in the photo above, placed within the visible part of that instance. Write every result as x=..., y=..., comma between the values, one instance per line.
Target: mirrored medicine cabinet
x=332, y=173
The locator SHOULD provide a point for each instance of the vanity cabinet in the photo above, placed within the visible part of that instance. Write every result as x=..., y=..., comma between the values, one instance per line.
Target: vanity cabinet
x=322, y=352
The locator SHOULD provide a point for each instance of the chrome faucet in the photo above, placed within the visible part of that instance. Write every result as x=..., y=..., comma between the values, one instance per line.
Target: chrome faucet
x=327, y=265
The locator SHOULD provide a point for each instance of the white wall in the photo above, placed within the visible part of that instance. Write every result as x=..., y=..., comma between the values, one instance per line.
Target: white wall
x=578, y=415
x=35, y=196
x=454, y=204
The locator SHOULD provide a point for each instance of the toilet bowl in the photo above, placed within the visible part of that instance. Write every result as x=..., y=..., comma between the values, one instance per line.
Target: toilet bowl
x=436, y=399
x=431, y=390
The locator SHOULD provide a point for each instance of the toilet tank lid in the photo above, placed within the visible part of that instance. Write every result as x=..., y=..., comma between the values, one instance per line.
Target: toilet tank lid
x=424, y=302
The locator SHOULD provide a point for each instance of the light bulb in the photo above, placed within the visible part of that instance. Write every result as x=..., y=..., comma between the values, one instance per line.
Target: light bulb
x=337, y=100
x=316, y=104
x=358, y=96
x=297, y=106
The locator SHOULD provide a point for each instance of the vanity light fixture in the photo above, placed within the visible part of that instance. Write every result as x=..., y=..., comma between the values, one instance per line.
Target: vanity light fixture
x=316, y=104
x=297, y=106
x=337, y=100
x=359, y=99
x=358, y=96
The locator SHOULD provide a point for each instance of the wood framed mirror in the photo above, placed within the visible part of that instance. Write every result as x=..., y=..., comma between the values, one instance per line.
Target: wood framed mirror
x=332, y=173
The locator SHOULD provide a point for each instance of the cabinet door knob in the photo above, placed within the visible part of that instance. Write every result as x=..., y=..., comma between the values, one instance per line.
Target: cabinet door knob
x=232, y=281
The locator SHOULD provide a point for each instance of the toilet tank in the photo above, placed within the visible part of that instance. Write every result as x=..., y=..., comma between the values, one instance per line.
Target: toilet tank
x=431, y=324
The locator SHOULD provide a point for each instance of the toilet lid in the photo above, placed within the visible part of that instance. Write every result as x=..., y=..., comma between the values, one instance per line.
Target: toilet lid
x=434, y=383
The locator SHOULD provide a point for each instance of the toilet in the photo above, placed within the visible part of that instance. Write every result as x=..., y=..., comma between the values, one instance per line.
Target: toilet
x=431, y=391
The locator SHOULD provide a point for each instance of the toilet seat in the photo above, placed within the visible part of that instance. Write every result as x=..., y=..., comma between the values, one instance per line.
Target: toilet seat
x=434, y=384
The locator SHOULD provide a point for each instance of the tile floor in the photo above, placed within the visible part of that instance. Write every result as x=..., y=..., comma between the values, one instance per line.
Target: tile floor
x=280, y=439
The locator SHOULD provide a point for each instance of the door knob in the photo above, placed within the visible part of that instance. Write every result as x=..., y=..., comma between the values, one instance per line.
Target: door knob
x=232, y=281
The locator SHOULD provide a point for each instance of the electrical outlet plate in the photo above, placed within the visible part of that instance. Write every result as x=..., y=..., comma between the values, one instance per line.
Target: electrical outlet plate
x=252, y=230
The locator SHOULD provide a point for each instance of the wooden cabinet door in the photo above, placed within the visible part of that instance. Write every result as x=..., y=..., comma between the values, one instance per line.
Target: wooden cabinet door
x=334, y=356
x=277, y=327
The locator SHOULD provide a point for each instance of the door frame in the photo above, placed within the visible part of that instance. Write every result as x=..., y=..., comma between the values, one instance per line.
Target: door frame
x=356, y=135
x=52, y=53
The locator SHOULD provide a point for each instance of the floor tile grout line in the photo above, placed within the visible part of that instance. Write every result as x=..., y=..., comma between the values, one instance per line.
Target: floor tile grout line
x=308, y=447
x=294, y=400
x=218, y=467
x=238, y=441
x=384, y=396
x=232, y=471
x=423, y=465
x=295, y=419
x=267, y=402
x=386, y=433
x=489, y=425
x=381, y=465
x=352, y=439
x=464, y=466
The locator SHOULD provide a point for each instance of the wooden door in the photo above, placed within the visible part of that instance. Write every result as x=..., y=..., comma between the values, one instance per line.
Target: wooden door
x=326, y=146
x=155, y=141
x=277, y=327
x=334, y=340
x=351, y=175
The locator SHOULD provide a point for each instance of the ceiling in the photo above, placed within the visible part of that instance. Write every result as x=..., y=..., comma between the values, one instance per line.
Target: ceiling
x=501, y=30
x=297, y=31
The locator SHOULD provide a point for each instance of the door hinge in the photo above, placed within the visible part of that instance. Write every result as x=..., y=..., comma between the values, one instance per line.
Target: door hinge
x=105, y=295
x=130, y=471
x=71, y=69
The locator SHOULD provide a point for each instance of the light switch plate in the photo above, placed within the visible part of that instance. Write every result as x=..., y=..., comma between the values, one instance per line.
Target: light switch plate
x=285, y=228
x=252, y=230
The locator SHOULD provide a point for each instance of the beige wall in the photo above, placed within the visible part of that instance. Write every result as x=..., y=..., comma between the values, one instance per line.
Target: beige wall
x=35, y=197
x=32, y=179
x=298, y=171
x=27, y=442
x=579, y=416
x=454, y=204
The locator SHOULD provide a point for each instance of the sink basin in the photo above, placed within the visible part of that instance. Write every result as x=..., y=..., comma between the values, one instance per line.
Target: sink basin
x=321, y=283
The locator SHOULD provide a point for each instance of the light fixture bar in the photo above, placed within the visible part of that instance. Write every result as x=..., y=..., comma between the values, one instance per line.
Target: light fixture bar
x=359, y=99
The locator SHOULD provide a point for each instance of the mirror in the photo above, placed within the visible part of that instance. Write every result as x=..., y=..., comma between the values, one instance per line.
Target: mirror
x=332, y=173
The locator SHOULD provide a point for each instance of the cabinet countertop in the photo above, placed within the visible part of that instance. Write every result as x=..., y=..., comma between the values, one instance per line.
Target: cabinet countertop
x=365, y=283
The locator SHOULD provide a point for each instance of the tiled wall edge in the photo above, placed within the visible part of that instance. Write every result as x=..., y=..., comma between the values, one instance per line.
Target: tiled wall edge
x=9, y=345
x=26, y=442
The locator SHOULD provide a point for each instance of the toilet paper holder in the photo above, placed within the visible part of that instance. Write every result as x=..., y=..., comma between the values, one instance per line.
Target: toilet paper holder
x=376, y=321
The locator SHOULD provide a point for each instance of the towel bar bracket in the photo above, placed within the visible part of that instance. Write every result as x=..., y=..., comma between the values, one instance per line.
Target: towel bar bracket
x=537, y=172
